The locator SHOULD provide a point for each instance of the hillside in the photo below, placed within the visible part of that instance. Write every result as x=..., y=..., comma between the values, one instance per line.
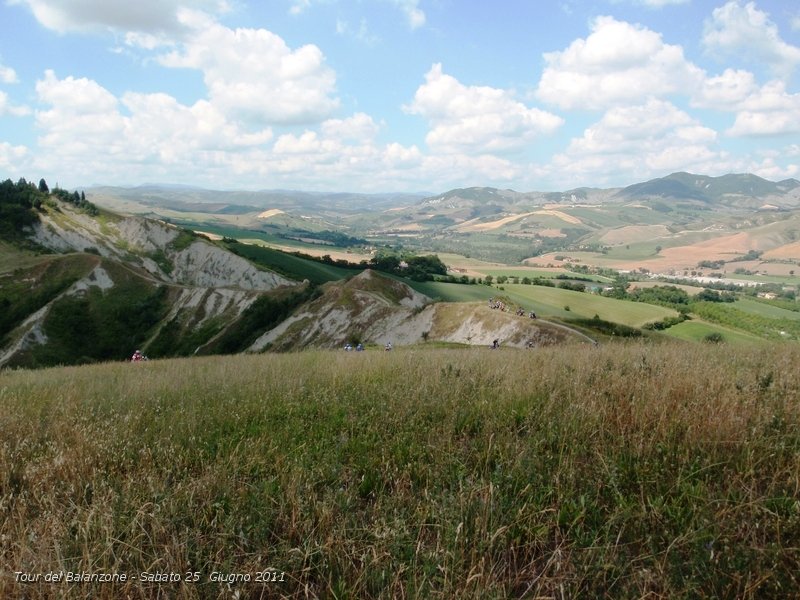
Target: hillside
x=81, y=285
x=624, y=471
x=373, y=309
x=102, y=285
x=484, y=222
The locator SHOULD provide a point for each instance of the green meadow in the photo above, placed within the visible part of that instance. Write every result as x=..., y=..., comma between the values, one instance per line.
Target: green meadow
x=629, y=470
x=697, y=331
x=568, y=303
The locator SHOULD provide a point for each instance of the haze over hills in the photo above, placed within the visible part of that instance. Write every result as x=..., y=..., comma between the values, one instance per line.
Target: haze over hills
x=678, y=186
x=80, y=285
x=498, y=224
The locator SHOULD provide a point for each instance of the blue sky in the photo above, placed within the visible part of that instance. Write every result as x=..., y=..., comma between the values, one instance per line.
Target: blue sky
x=397, y=95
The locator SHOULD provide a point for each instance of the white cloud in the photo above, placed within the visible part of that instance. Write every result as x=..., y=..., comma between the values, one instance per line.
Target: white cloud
x=476, y=118
x=770, y=110
x=13, y=159
x=252, y=75
x=414, y=14
x=358, y=127
x=6, y=108
x=299, y=6
x=769, y=169
x=638, y=141
x=86, y=131
x=726, y=91
x=7, y=74
x=146, y=16
x=760, y=110
x=618, y=63
x=83, y=116
x=743, y=30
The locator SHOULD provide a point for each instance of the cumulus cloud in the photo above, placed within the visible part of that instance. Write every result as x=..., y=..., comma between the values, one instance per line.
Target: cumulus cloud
x=85, y=129
x=768, y=168
x=7, y=74
x=252, y=75
x=145, y=16
x=7, y=108
x=358, y=127
x=726, y=91
x=744, y=31
x=760, y=110
x=618, y=63
x=654, y=137
x=13, y=158
x=770, y=110
x=88, y=132
x=476, y=118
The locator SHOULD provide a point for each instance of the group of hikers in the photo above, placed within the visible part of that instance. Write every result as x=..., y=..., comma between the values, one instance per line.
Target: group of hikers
x=348, y=347
x=138, y=356
x=501, y=306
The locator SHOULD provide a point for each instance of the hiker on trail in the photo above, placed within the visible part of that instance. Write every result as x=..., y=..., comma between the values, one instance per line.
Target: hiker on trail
x=388, y=346
x=495, y=344
x=138, y=356
x=532, y=315
x=348, y=347
x=360, y=347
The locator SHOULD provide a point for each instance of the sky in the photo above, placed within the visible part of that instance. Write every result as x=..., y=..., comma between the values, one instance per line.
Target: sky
x=397, y=95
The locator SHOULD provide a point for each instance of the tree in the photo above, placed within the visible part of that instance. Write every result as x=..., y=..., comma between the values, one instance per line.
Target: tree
x=43, y=186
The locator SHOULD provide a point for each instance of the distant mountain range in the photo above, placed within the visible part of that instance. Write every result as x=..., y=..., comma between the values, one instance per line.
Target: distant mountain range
x=731, y=189
x=734, y=190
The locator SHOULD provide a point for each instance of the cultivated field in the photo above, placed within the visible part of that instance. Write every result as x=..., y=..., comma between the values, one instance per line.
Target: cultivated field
x=622, y=471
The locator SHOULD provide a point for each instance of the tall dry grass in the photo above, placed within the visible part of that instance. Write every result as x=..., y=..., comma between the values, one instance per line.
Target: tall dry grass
x=620, y=471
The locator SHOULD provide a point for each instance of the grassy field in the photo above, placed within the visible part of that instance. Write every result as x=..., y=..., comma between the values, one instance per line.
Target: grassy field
x=451, y=292
x=552, y=301
x=696, y=331
x=291, y=266
x=623, y=471
x=543, y=273
x=12, y=258
x=765, y=310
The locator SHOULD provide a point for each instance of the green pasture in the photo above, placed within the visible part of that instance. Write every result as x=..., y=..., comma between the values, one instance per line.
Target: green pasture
x=452, y=292
x=695, y=331
x=552, y=301
x=533, y=272
x=637, y=251
x=781, y=279
x=292, y=266
x=763, y=309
